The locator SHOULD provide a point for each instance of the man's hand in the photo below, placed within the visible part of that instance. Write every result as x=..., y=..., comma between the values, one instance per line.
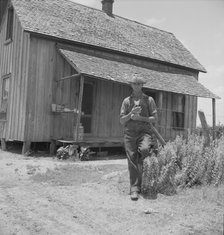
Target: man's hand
x=136, y=110
x=135, y=117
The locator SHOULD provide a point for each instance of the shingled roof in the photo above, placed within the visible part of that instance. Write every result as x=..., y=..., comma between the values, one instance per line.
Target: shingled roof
x=121, y=72
x=68, y=20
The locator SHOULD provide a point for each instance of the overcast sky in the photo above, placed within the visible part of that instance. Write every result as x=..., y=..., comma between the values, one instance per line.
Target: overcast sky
x=198, y=24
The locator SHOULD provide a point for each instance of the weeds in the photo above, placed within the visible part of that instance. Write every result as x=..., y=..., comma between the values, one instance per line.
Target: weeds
x=187, y=162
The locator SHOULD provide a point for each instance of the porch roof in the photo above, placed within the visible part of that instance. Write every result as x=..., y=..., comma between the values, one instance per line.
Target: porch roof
x=121, y=72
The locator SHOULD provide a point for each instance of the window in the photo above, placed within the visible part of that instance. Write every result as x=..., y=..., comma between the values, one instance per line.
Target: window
x=4, y=98
x=178, y=120
x=178, y=103
x=9, y=29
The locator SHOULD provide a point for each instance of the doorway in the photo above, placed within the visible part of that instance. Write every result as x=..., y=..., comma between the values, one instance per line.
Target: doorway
x=87, y=107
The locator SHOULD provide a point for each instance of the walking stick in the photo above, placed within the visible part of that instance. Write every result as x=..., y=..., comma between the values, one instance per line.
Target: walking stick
x=157, y=134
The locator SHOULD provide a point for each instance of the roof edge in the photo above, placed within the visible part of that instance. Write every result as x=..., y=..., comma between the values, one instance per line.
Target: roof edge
x=146, y=87
x=93, y=71
x=110, y=50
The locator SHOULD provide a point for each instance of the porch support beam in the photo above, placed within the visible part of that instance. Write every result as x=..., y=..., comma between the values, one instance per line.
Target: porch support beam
x=3, y=144
x=69, y=77
x=160, y=108
x=213, y=118
x=78, y=117
x=26, y=147
x=160, y=101
x=53, y=147
x=204, y=126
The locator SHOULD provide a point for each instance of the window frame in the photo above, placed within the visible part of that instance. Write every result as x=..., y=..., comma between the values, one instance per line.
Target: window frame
x=9, y=26
x=4, y=98
x=178, y=115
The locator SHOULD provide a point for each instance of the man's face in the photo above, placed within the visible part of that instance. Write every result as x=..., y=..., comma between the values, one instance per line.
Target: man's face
x=136, y=86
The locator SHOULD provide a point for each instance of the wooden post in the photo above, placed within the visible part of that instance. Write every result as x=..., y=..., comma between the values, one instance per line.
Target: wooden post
x=69, y=77
x=204, y=127
x=160, y=101
x=158, y=136
x=26, y=147
x=213, y=118
x=160, y=108
x=3, y=144
x=78, y=118
x=186, y=115
x=52, y=147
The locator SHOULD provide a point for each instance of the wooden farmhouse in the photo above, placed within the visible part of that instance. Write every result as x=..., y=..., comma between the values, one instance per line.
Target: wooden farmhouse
x=62, y=64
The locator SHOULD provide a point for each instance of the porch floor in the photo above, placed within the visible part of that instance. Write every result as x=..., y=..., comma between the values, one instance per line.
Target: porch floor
x=95, y=142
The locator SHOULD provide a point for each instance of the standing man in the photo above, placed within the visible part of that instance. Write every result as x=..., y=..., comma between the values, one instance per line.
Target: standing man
x=137, y=112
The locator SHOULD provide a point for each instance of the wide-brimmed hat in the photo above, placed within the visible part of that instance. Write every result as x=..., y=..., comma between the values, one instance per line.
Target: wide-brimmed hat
x=136, y=79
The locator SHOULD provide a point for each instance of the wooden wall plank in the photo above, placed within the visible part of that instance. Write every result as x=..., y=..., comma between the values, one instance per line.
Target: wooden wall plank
x=12, y=55
x=41, y=77
x=190, y=110
x=168, y=116
x=31, y=91
x=79, y=108
x=163, y=116
x=194, y=112
x=25, y=85
x=96, y=110
x=17, y=88
x=65, y=92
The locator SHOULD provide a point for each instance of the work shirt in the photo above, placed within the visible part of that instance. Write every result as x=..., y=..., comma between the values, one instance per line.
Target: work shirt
x=148, y=108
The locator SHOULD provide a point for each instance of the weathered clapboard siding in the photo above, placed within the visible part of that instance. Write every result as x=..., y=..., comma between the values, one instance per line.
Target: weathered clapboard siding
x=190, y=112
x=108, y=97
x=5, y=66
x=106, y=105
x=172, y=102
x=168, y=115
x=14, y=61
x=41, y=74
x=65, y=93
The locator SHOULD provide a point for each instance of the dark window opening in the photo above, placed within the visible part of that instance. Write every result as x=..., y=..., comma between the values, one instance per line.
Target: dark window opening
x=178, y=104
x=9, y=29
x=87, y=107
x=4, y=98
x=178, y=120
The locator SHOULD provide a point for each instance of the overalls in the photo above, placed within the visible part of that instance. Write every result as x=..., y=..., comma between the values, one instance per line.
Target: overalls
x=139, y=140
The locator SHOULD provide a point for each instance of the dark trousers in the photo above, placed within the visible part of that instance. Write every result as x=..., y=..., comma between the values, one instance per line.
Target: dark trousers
x=137, y=147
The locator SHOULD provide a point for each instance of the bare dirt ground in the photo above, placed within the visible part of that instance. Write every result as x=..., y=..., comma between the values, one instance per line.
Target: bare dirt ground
x=47, y=196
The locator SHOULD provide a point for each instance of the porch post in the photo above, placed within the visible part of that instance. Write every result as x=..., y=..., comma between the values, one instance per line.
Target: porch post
x=213, y=118
x=160, y=101
x=160, y=107
x=204, y=126
x=79, y=107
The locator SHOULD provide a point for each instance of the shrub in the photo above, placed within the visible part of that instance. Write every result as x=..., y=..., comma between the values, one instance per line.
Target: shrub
x=185, y=163
x=219, y=130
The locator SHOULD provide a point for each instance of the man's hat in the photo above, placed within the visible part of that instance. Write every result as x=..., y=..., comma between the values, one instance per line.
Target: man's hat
x=136, y=79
